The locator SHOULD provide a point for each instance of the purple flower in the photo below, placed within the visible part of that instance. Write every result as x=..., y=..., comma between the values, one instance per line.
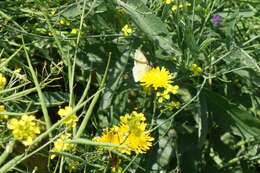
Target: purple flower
x=216, y=19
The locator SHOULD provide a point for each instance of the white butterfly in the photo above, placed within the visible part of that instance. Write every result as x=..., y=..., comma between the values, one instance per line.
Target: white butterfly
x=141, y=65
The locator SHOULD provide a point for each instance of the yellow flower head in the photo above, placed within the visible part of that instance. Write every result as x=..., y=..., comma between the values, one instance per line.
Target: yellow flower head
x=62, y=21
x=2, y=109
x=62, y=144
x=127, y=30
x=3, y=81
x=157, y=78
x=74, y=31
x=196, y=70
x=130, y=133
x=70, y=120
x=168, y=1
x=25, y=130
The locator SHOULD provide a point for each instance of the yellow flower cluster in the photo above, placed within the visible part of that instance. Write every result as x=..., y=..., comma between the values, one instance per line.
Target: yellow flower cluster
x=71, y=120
x=196, y=70
x=180, y=6
x=3, y=81
x=160, y=79
x=2, y=109
x=127, y=30
x=25, y=130
x=131, y=134
x=165, y=94
x=62, y=144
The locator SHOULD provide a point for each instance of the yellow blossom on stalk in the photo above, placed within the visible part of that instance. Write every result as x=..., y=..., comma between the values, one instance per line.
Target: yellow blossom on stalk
x=70, y=120
x=157, y=78
x=62, y=21
x=24, y=129
x=62, y=144
x=168, y=1
x=3, y=81
x=127, y=30
x=181, y=6
x=174, y=7
x=74, y=31
x=53, y=12
x=131, y=134
x=174, y=105
x=196, y=70
x=165, y=94
x=2, y=109
x=73, y=165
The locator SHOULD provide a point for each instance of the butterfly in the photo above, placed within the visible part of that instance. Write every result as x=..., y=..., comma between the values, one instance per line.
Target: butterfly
x=141, y=65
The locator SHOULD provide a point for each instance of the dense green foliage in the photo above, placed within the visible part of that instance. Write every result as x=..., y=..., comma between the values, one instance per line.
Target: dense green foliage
x=57, y=53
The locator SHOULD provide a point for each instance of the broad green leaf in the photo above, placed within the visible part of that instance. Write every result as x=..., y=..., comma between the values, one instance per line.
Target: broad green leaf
x=229, y=116
x=150, y=24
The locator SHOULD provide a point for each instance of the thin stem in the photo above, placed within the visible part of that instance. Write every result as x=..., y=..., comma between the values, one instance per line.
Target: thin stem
x=8, y=150
x=39, y=91
x=92, y=104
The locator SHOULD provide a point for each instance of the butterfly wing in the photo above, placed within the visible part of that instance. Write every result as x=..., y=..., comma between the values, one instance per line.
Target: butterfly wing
x=141, y=65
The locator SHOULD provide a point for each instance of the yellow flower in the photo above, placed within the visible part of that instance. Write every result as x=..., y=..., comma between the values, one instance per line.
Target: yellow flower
x=70, y=120
x=67, y=23
x=181, y=6
x=62, y=21
x=131, y=134
x=174, y=104
x=157, y=78
x=172, y=89
x=53, y=12
x=168, y=1
x=113, y=136
x=73, y=165
x=196, y=70
x=25, y=130
x=74, y=31
x=115, y=165
x=3, y=81
x=127, y=30
x=174, y=7
x=2, y=109
x=62, y=144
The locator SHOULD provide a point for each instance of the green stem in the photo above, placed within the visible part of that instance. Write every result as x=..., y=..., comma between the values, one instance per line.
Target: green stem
x=39, y=91
x=8, y=150
x=9, y=165
x=71, y=82
x=92, y=104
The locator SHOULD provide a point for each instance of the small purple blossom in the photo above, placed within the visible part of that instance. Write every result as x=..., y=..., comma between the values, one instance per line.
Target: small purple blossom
x=216, y=19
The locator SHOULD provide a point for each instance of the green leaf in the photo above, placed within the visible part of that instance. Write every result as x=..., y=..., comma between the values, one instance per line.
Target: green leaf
x=202, y=120
x=230, y=116
x=54, y=98
x=150, y=24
